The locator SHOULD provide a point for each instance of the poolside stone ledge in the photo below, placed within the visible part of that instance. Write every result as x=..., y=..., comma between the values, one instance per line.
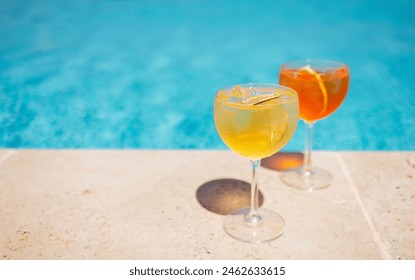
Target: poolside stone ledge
x=148, y=204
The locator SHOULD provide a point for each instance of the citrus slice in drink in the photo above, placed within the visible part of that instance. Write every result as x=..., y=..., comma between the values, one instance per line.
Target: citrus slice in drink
x=280, y=127
x=320, y=84
x=260, y=99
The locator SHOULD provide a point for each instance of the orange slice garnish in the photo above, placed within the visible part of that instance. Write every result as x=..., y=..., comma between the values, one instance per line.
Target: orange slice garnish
x=320, y=84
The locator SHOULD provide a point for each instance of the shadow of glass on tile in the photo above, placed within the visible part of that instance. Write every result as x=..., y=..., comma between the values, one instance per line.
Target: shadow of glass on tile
x=283, y=161
x=223, y=196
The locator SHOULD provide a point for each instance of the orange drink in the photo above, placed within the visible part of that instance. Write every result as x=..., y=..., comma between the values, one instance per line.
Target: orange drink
x=319, y=93
x=322, y=86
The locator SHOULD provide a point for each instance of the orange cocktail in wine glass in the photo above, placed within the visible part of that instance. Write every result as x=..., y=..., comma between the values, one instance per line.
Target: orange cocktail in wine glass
x=321, y=86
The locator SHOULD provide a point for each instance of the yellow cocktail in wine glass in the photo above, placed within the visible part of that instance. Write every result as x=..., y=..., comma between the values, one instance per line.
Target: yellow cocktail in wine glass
x=255, y=121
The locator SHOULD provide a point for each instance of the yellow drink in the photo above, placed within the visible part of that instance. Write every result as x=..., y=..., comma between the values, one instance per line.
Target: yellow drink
x=255, y=121
x=252, y=122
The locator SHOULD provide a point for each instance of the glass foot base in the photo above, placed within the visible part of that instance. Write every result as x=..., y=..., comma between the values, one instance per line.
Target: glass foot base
x=315, y=179
x=269, y=227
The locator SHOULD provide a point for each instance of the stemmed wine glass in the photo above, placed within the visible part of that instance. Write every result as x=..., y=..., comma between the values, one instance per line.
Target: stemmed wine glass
x=255, y=120
x=322, y=86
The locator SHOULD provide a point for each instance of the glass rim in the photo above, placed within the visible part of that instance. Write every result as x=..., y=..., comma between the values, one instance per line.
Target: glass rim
x=326, y=63
x=258, y=85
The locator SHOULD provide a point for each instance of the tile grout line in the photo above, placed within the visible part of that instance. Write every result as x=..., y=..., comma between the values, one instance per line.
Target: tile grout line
x=7, y=156
x=375, y=234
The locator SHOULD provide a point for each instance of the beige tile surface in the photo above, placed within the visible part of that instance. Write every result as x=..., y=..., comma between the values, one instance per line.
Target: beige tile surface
x=87, y=204
x=386, y=183
x=5, y=154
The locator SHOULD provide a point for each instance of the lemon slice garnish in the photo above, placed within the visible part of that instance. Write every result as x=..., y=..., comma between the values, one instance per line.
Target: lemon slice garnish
x=259, y=99
x=320, y=83
x=280, y=129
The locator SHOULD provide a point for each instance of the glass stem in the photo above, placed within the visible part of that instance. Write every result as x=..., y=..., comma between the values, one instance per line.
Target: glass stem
x=308, y=147
x=253, y=216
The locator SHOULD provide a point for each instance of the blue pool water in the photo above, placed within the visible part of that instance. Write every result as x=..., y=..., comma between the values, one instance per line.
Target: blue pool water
x=142, y=74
